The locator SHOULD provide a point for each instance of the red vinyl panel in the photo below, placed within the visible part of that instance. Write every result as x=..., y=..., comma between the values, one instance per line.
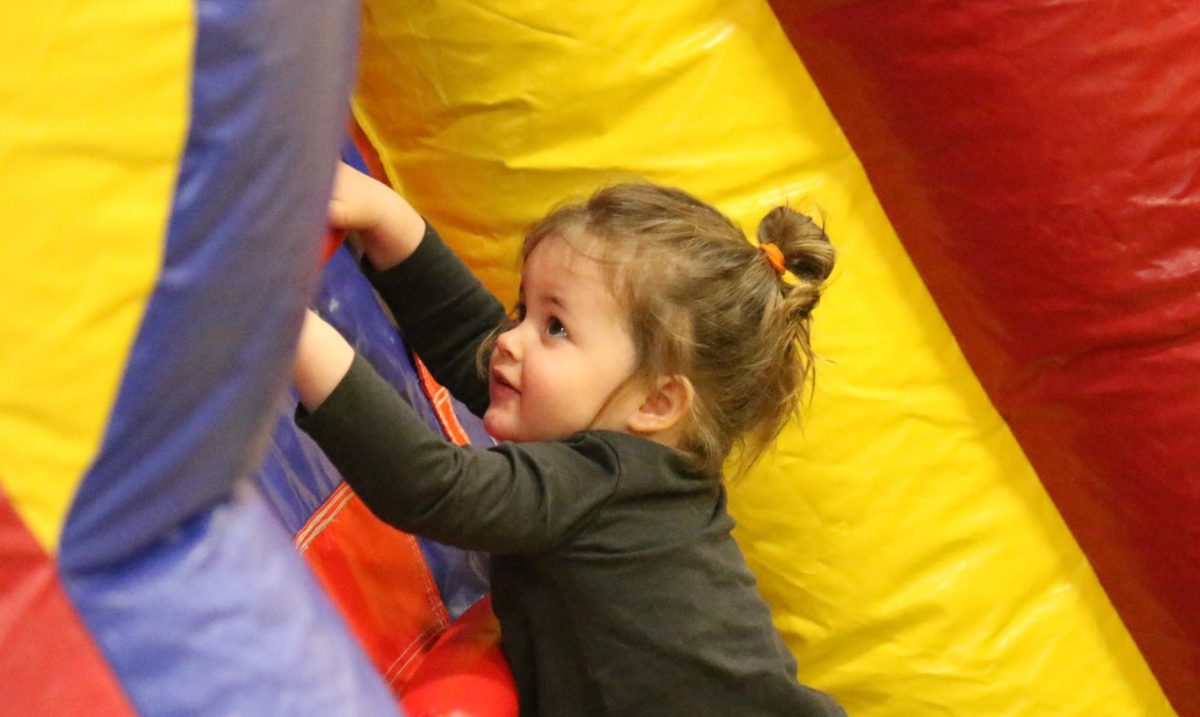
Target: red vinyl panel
x=49, y=664
x=1040, y=161
x=377, y=577
x=465, y=673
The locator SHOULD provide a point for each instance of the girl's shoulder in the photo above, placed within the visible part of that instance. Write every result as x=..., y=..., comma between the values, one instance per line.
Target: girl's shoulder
x=644, y=465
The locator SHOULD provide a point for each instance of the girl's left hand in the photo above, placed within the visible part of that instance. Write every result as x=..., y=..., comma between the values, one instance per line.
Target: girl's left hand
x=390, y=228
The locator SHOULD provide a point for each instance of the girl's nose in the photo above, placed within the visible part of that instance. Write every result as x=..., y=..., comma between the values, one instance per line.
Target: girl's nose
x=508, y=344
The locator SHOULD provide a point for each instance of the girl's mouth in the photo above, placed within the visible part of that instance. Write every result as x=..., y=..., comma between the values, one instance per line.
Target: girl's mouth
x=501, y=384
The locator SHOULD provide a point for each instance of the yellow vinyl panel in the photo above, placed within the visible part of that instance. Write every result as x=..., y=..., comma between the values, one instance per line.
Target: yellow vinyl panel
x=913, y=561
x=95, y=113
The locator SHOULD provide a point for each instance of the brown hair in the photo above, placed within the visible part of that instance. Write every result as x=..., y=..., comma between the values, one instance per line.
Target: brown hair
x=705, y=303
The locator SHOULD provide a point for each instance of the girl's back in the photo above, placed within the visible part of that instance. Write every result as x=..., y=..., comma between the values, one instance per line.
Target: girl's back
x=649, y=608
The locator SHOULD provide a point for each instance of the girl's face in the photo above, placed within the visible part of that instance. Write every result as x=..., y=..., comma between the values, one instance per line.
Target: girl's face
x=559, y=370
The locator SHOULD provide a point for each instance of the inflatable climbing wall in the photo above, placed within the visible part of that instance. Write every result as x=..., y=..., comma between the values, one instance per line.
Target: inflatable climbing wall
x=987, y=511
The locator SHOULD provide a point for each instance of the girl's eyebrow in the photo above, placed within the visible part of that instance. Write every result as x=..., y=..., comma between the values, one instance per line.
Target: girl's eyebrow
x=546, y=297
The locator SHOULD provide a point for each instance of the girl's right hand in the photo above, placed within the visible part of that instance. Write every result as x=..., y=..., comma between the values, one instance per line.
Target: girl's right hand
x=390, y=228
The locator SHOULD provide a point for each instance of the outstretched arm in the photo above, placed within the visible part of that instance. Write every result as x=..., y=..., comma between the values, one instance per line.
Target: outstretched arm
x=443, y=310
x=391, y=230
x=509, y=499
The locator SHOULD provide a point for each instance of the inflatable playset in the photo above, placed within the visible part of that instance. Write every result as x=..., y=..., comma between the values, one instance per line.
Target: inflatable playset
x=989, y=510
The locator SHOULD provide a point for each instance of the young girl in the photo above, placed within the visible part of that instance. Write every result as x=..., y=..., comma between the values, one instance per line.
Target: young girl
x=650, y=340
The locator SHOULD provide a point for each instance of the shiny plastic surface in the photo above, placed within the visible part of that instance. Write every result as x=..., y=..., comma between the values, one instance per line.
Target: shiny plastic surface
x=87, y=185
x=224, y=619
x=169, y=202
x=377, y=577
x=464, y=674
x=1039, y=162
x=36, y=614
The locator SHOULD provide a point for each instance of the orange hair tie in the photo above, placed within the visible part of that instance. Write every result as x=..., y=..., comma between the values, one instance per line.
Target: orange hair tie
x=775, y=256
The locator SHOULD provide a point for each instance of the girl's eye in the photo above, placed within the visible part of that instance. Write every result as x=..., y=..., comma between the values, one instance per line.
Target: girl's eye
x=555, y=328
x=518, y=313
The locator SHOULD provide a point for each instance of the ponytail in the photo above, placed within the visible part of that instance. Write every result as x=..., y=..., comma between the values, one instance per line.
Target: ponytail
x=807, y=254
x=786, y=365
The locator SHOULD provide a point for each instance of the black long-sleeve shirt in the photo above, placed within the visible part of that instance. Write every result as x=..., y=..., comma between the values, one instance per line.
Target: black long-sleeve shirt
x=618, y=586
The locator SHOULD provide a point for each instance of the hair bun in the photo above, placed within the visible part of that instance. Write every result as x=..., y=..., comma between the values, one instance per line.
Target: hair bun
x=806, y=249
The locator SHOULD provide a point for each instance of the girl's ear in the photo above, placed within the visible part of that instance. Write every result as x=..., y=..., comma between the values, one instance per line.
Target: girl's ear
x=664, y=408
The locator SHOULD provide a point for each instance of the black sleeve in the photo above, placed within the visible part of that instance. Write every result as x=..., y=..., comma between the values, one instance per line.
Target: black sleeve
x=526, y=498
x=444, y=313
